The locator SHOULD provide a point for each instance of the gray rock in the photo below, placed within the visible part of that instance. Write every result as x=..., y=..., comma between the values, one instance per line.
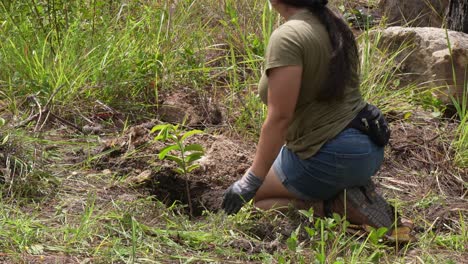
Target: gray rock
x=428, y=61
x=416, y=13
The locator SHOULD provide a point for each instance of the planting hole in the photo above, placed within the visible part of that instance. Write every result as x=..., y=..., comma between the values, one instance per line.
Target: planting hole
x=170, y=188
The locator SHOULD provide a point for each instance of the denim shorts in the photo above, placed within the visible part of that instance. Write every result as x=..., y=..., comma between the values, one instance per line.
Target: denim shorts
x=348, y=160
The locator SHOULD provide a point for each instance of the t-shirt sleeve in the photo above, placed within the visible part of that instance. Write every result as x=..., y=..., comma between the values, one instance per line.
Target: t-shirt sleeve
x=284, y=49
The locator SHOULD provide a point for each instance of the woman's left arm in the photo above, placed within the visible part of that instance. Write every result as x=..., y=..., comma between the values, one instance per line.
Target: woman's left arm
x=284, y=84
x=283, y=89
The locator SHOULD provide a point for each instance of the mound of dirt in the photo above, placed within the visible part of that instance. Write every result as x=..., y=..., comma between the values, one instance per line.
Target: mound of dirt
x=189, y=107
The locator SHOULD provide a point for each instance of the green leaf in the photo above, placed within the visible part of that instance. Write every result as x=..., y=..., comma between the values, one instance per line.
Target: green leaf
x=310, y=231
x=179, y=171
x=162, y=135
x=292, y=243
x=194, y=147
x=193, y=157
x=166, y=131
x=376, y=234
x=308, y=213
x=159, y=127
x=318, y=223
x=281, y=260
x=321, y=257
x=2, y=122
x=190, y=133
x=337, y=218
x=376, y=256
x=166, y=150
x=407, y=115
x=5, y=140
x=173, y=137
x=192, y=167
x=381, y=231
x=176, y=159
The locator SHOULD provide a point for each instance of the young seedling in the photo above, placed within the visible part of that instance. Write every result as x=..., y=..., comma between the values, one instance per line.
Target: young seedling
x=187, y=154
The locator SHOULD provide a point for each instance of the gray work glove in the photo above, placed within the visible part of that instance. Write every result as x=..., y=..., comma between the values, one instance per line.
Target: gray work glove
x=241, y=192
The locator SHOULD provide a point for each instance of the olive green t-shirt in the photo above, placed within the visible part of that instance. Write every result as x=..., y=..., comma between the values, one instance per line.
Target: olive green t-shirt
x=304, y=41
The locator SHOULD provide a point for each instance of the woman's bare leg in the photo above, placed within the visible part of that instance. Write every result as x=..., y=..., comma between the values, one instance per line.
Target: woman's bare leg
x=273, y=195
x=272, y=188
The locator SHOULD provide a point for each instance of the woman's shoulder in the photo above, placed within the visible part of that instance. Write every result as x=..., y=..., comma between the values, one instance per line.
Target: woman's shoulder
x=285, y=30
x=290, y=30
x=297, y=31
x=306, y=24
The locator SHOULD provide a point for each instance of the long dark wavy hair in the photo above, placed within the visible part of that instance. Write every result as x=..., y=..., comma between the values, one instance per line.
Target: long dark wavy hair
x=344, y=63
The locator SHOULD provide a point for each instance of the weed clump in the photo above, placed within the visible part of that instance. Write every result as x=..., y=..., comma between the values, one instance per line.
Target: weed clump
x=21, y=174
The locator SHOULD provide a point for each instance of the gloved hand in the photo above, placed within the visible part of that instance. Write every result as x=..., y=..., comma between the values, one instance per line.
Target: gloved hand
x=241, y=192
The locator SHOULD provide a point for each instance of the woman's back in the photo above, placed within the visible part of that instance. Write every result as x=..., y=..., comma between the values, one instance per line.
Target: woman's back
x=303, y=40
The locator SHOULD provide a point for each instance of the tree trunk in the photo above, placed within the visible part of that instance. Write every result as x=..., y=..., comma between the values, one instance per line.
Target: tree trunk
x=458, y=15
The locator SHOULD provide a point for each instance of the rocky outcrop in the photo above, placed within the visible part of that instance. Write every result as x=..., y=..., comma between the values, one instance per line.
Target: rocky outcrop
x=429, y=60
x=415, y=13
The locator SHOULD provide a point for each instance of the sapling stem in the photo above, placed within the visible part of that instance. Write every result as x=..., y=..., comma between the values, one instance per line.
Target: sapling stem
x=184, y=168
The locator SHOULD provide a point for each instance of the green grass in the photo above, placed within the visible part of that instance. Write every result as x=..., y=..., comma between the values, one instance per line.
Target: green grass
x=144, y=230
x=73, y=53
x=460, y=101
x=124, y=55
x=461, y=141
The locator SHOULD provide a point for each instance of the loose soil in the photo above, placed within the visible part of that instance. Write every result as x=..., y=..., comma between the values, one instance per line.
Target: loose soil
x=224, y=161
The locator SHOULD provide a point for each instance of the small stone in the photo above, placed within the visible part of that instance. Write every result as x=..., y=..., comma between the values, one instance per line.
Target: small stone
x=143, y=177
x=93, y=130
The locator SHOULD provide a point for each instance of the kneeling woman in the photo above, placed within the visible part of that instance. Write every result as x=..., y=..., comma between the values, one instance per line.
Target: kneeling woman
x=310, y=83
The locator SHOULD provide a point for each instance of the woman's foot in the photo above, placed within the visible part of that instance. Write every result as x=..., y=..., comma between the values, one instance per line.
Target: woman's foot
x=366, y=209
